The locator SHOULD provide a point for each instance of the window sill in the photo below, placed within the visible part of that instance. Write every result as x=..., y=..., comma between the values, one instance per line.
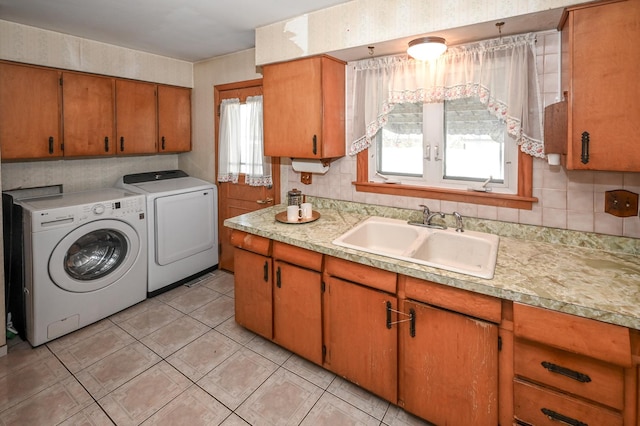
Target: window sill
x=484, y=198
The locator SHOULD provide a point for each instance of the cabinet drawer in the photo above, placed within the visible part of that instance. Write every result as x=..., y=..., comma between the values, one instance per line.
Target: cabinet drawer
x=595, y=339
x=576, y=374
x=361, y=274
x=251, y=242
x=468, y=303
x=297, y=256
x=534, y=405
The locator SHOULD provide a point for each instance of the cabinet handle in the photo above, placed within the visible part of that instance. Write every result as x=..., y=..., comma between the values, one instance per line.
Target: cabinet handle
x=267, y=200
x=266, y=271
x=50, y=144
x=106, y=144
x=584, y=157
x=552, y=415
x=163, y=143
x=412, y=322
x=121, y=143
x=575, y=375
x=278, y=278
x=389, y=310
x=427, y=152
x=315, y=144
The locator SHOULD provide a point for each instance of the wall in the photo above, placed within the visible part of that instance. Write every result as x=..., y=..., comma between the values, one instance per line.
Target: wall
x=567, y=199
x=365, y=22
x=31, y=45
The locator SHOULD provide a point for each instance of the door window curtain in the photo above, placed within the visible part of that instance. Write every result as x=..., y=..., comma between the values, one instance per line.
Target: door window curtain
x=241, y=143
x=501, y=73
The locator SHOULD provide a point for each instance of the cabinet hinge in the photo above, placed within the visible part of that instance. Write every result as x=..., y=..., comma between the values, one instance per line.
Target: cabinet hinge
x=60, y=80
x=324, y=351
x=62, y=147
x=499, y=343
x=322, y=286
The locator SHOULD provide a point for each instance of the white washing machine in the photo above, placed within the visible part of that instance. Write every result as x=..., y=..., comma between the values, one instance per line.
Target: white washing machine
x=85, y=259
x=182, y=226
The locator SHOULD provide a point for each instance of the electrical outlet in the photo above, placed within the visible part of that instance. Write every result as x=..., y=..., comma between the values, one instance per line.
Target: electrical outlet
x=621, y=203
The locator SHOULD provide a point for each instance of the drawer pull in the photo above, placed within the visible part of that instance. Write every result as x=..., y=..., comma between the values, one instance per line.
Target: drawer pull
x=552, y=415
x=581, y=377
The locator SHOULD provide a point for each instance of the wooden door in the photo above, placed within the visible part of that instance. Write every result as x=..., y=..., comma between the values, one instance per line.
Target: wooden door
x=297, y=306
x=88, y=115
x=237, y=199
x=29, y=112
x=448, y=372
x=136, y=117
x=174, y=119
x=604, y=86
x=293, y=108
x=359, y=345
x=253, y=292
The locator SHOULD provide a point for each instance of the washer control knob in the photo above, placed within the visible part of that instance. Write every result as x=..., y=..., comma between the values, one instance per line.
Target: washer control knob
x=98, y=209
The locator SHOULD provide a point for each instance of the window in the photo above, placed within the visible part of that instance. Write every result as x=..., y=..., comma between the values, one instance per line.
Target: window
x=453, y=144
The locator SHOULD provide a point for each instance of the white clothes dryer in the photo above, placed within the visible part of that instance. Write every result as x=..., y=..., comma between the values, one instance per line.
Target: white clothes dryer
x=85, y=259
x=182, y=226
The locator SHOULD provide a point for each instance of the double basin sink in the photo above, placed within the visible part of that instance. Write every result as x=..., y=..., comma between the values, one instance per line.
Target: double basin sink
x=468, y=252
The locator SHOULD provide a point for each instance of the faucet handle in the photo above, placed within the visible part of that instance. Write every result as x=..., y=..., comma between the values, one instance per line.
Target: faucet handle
x=459, y=225
x=425, y=209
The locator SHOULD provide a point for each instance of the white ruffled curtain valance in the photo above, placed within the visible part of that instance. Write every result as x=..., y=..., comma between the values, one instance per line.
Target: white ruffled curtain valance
x=241, y=143
x=501, y=73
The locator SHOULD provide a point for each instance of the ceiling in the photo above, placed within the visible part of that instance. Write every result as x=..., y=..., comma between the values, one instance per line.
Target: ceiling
x=190, y=30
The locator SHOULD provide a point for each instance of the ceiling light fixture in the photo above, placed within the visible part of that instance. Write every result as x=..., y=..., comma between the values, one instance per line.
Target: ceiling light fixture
x=427, y=48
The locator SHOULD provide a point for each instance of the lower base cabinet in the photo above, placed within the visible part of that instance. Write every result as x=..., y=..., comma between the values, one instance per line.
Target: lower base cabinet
x=447, y=355
x=360, y=346
x=448, y=366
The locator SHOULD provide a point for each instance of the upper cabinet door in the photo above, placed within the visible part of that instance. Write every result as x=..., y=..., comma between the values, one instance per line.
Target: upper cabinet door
x=29, y=112
x=88, y=109
x=136, y=117
x=304, y=102
x=601, y=77
x=174, y=119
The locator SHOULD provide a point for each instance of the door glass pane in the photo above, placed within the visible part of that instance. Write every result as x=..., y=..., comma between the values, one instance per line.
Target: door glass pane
x=95, y=254
x=474, y=142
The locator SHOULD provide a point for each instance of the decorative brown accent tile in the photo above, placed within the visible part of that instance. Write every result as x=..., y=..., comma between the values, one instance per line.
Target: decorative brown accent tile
x=284, y=399
x=203, y=355
x=237, y=377
x=50, y=406
x=193, y=407
x=141, y=397
x=116, y=369
x=175, y=336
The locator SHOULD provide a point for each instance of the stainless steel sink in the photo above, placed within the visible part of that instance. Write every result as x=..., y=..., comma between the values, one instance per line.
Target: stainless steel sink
x=469, y=252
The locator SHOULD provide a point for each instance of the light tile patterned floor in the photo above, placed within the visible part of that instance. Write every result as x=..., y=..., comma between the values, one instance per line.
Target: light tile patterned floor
x=178, y=358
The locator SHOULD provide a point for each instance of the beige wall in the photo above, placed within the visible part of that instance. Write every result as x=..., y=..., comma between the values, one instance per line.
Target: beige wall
x=364, y=22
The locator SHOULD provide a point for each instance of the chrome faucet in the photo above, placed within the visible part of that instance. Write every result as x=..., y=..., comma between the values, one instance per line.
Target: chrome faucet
x=459, y=225
x=427, y=221
x=425, y=214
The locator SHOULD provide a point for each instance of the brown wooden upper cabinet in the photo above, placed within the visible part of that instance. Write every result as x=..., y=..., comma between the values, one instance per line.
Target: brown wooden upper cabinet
x=30, y=121
x=49, y=113
x=174, y=119
x=136, y=117
x=88, y=115
x=304, y=108
x=600, y=75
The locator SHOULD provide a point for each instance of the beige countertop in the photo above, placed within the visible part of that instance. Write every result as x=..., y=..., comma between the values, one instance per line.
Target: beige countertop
x=595, y=277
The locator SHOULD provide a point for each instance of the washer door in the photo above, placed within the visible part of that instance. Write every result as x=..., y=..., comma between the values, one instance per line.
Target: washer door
x=94, y=255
